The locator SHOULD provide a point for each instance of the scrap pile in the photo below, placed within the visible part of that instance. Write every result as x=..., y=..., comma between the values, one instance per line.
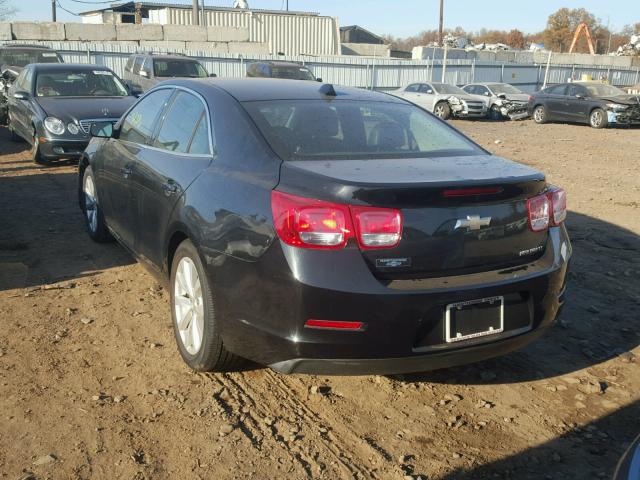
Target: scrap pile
x=631, y=48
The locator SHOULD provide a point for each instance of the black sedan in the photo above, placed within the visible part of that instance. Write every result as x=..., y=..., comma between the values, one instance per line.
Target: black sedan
x=593, y=103
x=313, y=228
x=52, y=106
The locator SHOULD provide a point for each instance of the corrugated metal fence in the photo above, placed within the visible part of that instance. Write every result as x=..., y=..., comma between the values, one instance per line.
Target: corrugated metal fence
x=364, y=72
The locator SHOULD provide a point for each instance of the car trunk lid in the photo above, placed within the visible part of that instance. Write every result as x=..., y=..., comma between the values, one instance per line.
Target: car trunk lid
x=460, y=214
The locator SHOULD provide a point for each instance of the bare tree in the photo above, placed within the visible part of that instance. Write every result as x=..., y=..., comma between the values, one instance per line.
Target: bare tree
x=6, y=10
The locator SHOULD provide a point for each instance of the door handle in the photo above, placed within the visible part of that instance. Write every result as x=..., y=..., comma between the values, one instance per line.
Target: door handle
x=169, y=188
x=126, y=172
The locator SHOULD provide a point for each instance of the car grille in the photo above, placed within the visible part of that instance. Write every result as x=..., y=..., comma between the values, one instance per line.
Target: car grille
x=85, y=124
x=475, y=106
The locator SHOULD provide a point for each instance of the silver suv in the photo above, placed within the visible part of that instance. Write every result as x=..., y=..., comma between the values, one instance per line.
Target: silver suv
x=143, y=71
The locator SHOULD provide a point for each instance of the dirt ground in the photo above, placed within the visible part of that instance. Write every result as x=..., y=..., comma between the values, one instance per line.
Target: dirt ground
x=92, y=386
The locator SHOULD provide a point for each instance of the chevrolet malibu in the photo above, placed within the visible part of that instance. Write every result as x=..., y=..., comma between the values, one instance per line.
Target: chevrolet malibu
x=322, y=229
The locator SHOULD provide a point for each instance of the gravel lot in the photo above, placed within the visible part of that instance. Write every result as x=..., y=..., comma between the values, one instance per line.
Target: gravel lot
x=91, y=384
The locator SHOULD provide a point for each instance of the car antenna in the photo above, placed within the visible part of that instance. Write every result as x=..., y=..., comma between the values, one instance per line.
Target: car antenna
x=328, y=90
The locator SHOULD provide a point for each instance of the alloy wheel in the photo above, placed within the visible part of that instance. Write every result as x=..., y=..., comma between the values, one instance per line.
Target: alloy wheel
x=188, y=304
x=90, y=203
x=596, y=118
x=538, y=115
x=439, y=111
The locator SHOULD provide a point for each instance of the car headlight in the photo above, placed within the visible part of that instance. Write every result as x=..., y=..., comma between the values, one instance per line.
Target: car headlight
x=617, y=106
x=73, y=129
x=454, y=100
x=54, y=125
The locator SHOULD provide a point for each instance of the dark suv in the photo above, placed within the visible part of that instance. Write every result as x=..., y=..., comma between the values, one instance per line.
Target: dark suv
x=143, y=71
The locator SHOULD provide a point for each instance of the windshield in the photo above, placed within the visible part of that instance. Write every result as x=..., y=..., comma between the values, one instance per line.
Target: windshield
x=602, y=90
x=178, y=68
x=349, y=129
x=448, y=89
x=84, y=83
x=498, y=88
x=21, y=58
x=292, y=73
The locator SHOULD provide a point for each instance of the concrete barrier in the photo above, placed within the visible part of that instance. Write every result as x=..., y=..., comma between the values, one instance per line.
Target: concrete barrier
x=249, y=47
x=366, y=49
x=127, y=31
x=5, y=31
x=185, y=33
x=163, y=44
x=227, y=34
x=218, y=47
x=88, y=32
x=38, y=31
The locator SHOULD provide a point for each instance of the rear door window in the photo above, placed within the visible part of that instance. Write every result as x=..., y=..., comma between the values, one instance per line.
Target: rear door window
x=556, y=90
x=137, y=65
x=180, y=124
x=139, y=124
x=412, y=88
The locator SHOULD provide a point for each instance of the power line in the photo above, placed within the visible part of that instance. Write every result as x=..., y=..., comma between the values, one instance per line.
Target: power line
x=66, y=10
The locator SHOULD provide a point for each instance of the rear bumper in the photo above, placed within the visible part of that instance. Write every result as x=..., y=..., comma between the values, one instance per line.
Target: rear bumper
x=418, y=363
x=264, y=305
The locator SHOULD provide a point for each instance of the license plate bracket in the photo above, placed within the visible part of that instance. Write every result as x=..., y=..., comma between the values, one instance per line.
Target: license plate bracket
x=474, y=318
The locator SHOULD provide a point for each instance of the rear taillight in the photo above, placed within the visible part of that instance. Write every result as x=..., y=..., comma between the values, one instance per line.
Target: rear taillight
x=377, y=227
x=538, y=210
x=309, y=223
x=549, y=209
x=558, y=198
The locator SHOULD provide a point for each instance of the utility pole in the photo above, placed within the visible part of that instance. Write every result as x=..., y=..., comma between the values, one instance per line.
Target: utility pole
x=440, y=38
x=53, y=10
x=195, y=13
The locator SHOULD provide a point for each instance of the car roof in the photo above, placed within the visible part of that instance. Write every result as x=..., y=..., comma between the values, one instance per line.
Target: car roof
x=165, y=56
x=54, y=67
x=264, y=89
x=277, y=63
x=25, y=46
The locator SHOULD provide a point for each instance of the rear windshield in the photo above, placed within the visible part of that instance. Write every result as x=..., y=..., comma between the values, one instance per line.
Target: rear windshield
x=178, y=68
x=21, y=58
x=292, y=73
x=350, y=129
x=84, y=83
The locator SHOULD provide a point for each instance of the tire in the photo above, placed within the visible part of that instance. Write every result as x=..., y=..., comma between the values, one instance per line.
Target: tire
x=193, y=314
x=598, y=118
x=36, y=155
x=442, y=110
x=495, y=113
x=93, y=216
x=540, y=114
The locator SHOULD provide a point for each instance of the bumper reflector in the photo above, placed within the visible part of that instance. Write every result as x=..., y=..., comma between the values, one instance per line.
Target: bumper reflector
x=334, y=325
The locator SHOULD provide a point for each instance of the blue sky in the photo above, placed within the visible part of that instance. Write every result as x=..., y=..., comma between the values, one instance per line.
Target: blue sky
x=406, y=17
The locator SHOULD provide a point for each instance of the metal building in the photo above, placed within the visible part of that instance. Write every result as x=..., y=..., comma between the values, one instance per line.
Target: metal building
x=286, y=32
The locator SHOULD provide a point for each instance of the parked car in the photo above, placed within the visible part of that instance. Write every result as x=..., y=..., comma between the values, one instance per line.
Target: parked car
x=593, y=103
x=628, y=467
x=144, y=71
x=444, y=100
x=52, y=106
x=13, y=58
x=337, y=231
x=279, y=69
x=505, y=100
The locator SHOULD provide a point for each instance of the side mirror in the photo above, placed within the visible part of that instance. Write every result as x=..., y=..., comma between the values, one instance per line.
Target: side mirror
x=213, y=75
x=134, y=91
x=144, y=73
x=430, y=92
x=581, y=96
x=21, y=95
x=500, y=95
x=319, y=80
x=101, y=129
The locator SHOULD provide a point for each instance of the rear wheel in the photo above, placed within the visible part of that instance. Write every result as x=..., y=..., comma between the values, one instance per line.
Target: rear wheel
x=540, y=114
x=193, y=312
x=442, y=110
x=598, y=118
x=94, y=219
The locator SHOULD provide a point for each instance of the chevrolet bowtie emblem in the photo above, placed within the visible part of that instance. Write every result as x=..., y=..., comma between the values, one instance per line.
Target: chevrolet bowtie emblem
x=472, y=222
